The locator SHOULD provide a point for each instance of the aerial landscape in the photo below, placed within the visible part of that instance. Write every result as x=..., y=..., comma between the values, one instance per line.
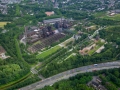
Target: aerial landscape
x=59, y=44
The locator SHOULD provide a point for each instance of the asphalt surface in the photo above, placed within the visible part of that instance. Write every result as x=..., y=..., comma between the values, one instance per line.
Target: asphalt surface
x=71, y=73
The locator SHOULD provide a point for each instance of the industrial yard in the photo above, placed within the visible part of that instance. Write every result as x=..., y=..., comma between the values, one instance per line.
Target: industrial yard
x=51, y=31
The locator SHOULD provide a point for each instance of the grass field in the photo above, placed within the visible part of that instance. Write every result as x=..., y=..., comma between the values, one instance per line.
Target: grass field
x=106, y=16
x=109, y=27
x=48, y=52
x=67, y=41
x=100, y=14
x=38, y=42
x=98, y=45
x=93, y=50
x=115, y=17
x=93, y=27
x=2, y=24
x=71, y=55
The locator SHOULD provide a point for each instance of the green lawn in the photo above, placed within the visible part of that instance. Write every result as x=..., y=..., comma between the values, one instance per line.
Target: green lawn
x=98, y=45
x=2, y=24
x=67, y=41
x=99, y=14
x=38, y=42
x=71, y=55
x=115, y=17
x=93, y=50
x=48, y=52
x=105, y=16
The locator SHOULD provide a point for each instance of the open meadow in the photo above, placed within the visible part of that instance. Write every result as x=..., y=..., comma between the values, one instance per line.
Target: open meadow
x=48, y=52
x=2, y=24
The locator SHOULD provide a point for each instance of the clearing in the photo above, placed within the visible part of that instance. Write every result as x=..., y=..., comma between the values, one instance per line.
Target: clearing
x=115, y=17
x=48, y=52
x=2, y=24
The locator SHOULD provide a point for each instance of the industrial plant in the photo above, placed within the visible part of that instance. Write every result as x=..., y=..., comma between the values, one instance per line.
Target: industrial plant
x=45, y=34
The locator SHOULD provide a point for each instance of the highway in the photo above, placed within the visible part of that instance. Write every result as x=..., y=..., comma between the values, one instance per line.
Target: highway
x=71, y=73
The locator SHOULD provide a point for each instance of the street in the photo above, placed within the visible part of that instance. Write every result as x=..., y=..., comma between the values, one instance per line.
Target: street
x=71, y=73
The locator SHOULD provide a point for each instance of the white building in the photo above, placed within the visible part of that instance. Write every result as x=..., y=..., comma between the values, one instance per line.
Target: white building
x=2, y=53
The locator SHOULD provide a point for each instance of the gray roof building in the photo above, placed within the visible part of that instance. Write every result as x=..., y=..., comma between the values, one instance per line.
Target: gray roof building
x=53, y=20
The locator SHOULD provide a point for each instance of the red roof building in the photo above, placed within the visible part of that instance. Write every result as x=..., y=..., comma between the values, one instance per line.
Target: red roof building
x=49, y=13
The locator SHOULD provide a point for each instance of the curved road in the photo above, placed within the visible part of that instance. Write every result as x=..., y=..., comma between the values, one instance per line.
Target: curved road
x=70, y=73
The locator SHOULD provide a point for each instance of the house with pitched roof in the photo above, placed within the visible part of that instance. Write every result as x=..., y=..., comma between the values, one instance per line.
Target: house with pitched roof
x=2, y=53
